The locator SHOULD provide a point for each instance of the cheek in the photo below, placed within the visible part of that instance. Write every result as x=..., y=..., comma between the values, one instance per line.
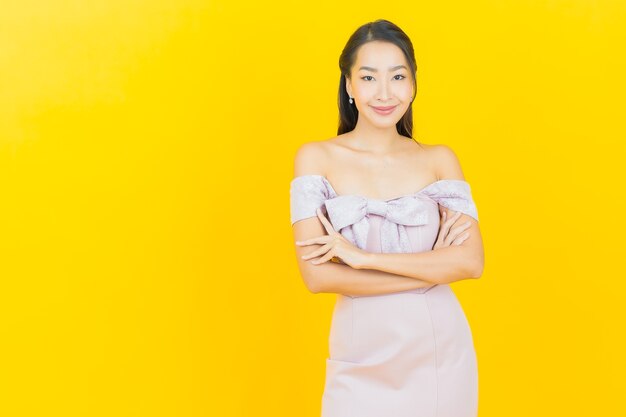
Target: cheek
x=403, y=91
x=364, y=91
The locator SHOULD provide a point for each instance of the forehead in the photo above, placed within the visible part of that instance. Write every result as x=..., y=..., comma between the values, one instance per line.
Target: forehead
x=379, y=54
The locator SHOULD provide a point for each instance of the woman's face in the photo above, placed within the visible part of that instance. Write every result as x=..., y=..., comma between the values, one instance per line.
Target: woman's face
x=380, y=78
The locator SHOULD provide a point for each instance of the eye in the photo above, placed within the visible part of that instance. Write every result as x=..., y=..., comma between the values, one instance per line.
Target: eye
x=400, y=75
x=367, y=76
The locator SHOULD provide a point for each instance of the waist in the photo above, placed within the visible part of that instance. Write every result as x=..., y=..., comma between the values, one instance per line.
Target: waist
x=412, y=291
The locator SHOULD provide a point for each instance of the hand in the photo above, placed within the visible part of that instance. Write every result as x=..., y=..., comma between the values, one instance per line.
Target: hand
x=335, y=245
x=448, y=236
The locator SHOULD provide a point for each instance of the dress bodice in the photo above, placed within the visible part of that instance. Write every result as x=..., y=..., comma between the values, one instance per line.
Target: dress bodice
x=408, y=223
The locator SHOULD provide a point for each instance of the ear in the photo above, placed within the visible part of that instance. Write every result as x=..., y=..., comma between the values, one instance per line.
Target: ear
x=348, y=87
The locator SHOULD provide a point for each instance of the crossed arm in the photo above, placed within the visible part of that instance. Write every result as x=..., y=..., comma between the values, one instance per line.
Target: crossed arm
x=440, y=266
x=386, y=273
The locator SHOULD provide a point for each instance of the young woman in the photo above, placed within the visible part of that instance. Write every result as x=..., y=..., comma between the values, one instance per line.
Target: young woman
x=397, y=221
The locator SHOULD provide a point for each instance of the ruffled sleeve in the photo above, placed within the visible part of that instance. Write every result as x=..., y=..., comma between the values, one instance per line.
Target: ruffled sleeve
x=453, y=194
x=307, y=194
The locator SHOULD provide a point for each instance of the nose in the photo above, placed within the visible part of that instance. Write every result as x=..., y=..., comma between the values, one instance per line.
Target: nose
x=383, y=91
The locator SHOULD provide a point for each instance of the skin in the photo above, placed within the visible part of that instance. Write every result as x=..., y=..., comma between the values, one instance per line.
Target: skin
x=374, y=161
x=336, y=245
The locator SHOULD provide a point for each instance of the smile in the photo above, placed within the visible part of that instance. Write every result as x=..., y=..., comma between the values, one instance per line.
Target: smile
x=384, y=110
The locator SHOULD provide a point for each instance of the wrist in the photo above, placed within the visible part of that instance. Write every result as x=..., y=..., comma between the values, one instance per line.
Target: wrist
x=368, y=260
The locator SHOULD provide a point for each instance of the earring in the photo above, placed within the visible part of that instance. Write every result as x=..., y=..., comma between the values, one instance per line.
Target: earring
x=350, y=100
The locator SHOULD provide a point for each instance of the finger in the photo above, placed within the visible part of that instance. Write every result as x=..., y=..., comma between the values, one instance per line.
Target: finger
x=440, y=238
x=329, y=228
x=461, y=239
x=445, y=227
x=451, y=221
x=324, y=258
x=317, y=252
x=455, y=217
x=457, y=231
x=443, y=231
x=313, y=241
x=445, y=222
x=447, y=234
x=454, y=234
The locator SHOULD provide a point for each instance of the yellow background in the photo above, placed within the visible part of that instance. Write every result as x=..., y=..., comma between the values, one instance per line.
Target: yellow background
x=146, y=259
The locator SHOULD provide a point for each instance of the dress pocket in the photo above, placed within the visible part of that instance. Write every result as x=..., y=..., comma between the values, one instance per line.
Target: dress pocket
x=338, y=397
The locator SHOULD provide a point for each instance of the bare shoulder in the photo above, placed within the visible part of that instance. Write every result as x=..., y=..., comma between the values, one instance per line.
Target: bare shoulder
x=446, y=162
x=310, y=158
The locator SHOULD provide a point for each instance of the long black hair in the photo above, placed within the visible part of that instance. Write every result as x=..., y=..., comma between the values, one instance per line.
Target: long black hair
x=378, y=30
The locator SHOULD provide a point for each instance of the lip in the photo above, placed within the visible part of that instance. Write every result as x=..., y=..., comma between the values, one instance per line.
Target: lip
x=384, y=110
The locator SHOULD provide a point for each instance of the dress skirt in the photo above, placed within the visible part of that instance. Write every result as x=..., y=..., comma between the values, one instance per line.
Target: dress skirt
x=404, y=354
x=401, y=355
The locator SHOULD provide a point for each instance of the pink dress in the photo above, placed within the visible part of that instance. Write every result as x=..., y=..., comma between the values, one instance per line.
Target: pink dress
x=405, y=354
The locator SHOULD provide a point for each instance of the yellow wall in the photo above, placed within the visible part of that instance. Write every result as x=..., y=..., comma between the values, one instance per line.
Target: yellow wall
x=146, y=147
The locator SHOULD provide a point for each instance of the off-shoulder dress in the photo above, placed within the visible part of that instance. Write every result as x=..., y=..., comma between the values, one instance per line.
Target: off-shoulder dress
x=403, y=354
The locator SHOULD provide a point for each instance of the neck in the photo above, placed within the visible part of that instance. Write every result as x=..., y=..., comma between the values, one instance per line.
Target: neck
x=374, y=139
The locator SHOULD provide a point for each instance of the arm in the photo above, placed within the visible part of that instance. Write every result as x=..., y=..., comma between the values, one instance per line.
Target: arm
x=427, y=268
x=441, y=266
x=383, y=273
x=331, y=277
x=447, y=264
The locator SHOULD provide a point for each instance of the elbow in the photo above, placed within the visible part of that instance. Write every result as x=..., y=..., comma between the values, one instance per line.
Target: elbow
x=311, y=277
x=476, y=271
x=476, y=264
x=313, y=284
x=313, y=289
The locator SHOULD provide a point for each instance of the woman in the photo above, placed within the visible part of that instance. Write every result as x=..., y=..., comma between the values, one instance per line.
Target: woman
x=398, y=223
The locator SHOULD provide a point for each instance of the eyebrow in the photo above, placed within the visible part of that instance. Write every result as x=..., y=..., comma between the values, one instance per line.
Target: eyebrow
x=397, y=67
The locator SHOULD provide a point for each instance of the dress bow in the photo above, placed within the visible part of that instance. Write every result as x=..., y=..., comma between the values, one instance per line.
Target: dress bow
x=352, y=210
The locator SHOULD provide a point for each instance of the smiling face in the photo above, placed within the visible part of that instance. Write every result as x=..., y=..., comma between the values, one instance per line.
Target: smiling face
x=381, y=83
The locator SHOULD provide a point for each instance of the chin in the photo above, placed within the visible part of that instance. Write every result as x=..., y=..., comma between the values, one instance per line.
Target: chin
x=387, y=122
